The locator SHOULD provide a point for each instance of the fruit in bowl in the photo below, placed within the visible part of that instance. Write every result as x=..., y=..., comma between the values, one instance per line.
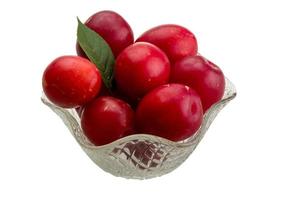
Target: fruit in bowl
x=137, y=109
x=106, y=119
x=202, y=75
x=113, y=28
x=176, y=41
x=71, y=81
x=171, y=111
x=140, y=68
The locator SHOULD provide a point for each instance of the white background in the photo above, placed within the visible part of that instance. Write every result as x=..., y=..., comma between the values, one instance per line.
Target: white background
x=244, y=153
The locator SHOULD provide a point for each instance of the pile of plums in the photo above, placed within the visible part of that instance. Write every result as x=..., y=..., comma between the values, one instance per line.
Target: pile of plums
x=162, y=86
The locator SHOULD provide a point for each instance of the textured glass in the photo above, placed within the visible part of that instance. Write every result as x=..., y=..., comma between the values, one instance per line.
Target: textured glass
x=140, y=156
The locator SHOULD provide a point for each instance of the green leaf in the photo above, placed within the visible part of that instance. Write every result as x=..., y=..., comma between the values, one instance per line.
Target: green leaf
x=98, y=51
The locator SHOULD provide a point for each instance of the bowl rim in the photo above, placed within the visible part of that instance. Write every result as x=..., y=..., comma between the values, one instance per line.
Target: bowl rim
x=228, y=96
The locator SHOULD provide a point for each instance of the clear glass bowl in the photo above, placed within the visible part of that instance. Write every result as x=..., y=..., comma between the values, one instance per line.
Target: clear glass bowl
x=140, y=156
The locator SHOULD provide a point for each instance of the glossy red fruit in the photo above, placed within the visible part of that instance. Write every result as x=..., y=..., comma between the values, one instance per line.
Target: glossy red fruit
x=106, y=119
x=113, y=28
x=203, y=76
x=104, y=91
x=140, y=68
x=71, y=81
x=171, y=111
x=176, y=41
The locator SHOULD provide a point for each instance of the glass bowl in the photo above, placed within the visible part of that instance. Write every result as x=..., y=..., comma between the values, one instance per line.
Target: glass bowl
x=140, y=156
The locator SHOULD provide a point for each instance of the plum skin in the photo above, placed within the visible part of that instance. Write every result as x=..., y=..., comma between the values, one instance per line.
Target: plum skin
x=172, y=111
x=140, y=68
x=71, y=81
x=176, y=41
x=113, y=28
x=203, y=76
x=106, y=119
